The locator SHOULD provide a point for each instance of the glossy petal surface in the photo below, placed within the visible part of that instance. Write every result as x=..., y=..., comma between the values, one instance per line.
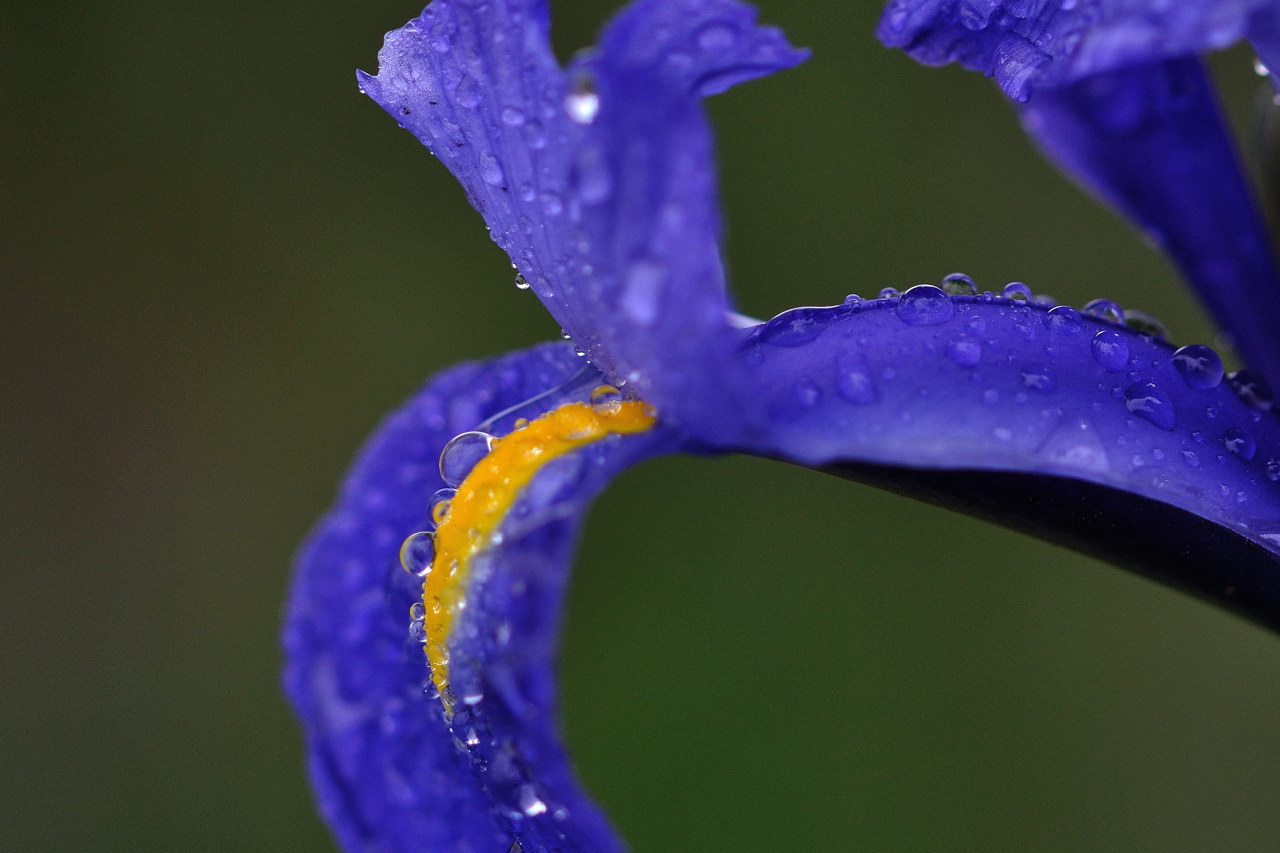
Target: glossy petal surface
x=951, y=383
x=383, y=759
x=1116, y=95
x=1028, y=44
x=615, y=226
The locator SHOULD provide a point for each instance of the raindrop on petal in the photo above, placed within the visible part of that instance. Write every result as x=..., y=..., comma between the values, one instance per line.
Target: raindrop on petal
x=1017, y=291
x=959, y=284
x=1110, y=350
x=1147, y=401
x=1240, y=443
x=1105, y=309
x=417, y=553
x=925, y=305
x=1199, y=365
x=461, y=454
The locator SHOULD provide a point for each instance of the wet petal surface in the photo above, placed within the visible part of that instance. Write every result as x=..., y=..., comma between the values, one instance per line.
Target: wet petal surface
x=391, y=771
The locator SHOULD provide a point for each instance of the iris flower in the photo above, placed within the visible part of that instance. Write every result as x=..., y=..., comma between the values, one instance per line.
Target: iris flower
x=453, y=533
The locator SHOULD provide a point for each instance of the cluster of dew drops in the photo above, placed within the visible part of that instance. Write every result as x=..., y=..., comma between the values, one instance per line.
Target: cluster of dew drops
x=458, y=459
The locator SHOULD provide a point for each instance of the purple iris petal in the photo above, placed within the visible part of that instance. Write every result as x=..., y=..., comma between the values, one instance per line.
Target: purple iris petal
x=1151, y=141
x=1115, y=95
x=599, y=182
x=384, y=763
x=932, y=380
x=1029, y=44
x=615, y=226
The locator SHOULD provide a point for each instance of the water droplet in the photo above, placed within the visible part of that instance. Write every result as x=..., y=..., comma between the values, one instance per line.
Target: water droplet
x=418, y=611
x=417, y=553
x=925, y=305
x=582, y=104
x=1110, y=350
x=1200, y=366
x=522, y=283
x=1105, y=309
x=468, y=94
x=1273, y=469
x=1252, y=389
x=853, y=379
x=1017, y=291
x=1260, y=68
x=418, y=631
x=1240, y=443
x=606, y=400
x=964, y=352
x=807, y=392
x=438, y=506
x=959, y=284
x=642, y=291
x=1147, y=401
x=530, y=803
x=1064, y=319
x=512, y=117
x=461, y=454
x=889, y=293
x=1039, y=378
x=1190, y=457
x=430, y=690
x=1075, y=443
x=1144, y=323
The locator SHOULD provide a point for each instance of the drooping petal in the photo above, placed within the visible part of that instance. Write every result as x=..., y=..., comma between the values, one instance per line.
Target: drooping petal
x=906, y=389
x=478, y=84
x=1030, y=44
x=599, y=182
x=390, y=771
x=1152, y=142
x=1116, y=95
x=654, y=309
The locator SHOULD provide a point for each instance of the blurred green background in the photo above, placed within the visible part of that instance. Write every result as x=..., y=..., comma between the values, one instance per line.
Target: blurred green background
x=221, y=266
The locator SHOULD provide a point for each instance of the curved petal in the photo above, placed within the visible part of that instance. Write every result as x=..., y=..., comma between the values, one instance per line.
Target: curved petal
x=599, y=183
x=1152, y=142
x=653, y=311
x=390, y=772
x=478, y=84
x=1030, y=44
x=932, y=382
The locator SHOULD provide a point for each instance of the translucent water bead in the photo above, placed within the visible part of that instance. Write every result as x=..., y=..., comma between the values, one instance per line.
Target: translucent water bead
x=417, y=553
x=461, y=454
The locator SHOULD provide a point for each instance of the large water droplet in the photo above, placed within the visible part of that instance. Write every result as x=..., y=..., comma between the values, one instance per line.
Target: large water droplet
x=418, y=631
x=1064, y=319
x=1252, y=389
x=1147, y=401
x=1105, y=309
x=1110, y=349
x=606, y=400
x=1017, y=291
x=1240, y=443
x=461, y=454
x=1200, y=366
x=417, y=553
x=925, y=305
x=959, y=284
x=522, y=283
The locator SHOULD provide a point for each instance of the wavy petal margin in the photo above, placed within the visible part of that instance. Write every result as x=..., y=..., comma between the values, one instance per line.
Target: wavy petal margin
x=390, y=772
